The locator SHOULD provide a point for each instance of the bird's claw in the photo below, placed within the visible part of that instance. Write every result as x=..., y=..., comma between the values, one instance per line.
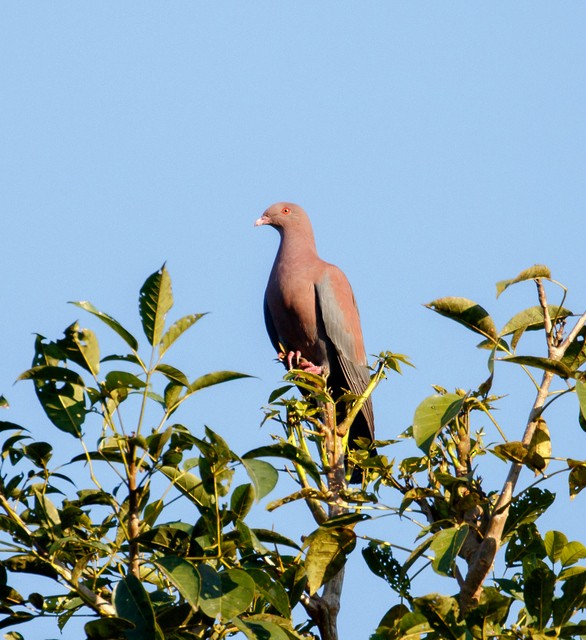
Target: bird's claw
x=292, y=355
x=295, y=361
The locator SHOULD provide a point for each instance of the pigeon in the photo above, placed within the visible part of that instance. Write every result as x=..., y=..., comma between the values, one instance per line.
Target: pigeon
x=311, y=315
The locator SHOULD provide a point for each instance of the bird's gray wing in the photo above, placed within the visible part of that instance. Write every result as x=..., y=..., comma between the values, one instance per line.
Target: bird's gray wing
x=341, y=322
x=270, y=325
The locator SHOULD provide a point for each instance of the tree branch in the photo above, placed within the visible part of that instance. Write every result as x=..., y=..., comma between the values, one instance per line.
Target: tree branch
x=481, y=562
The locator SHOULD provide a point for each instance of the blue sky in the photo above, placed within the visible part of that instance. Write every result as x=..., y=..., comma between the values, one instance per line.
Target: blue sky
x=438, y=148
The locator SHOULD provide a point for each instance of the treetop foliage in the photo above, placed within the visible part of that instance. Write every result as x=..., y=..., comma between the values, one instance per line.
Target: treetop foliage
x=149, y=529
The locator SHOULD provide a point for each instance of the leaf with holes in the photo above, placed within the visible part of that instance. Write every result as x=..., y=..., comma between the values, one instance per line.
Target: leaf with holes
x=155, y=301
x=526, y=508
x=577, y=478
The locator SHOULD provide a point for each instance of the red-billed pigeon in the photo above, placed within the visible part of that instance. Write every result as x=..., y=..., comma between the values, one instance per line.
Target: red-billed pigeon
x=310, y=312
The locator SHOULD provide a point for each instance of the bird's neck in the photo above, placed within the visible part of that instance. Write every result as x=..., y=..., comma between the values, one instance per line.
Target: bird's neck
x=297, y=247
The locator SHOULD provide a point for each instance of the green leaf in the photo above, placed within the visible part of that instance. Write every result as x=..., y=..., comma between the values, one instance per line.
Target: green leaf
x=468, y=313
x=346, y=519
x=524, y=542
x=263, y=475
x=538, y=592
x=327, y=553
x=171, y=539
x=46, y=509
x=487, y=619
x=246, y=540
x=184, y=577
x=572, y=552
x=526, y=508
x=23, y=563
x=273, y=592
x=107, y=628
x=132, y=603
x=581, y=393
x=571, y=599
x=380, y=560
x=39, y=453
x=539, y=447
x=277, y=393
x=289, y=452
x=62, y=402
x=575, y=355
x=173, y=374
x=257, y=629
x=532, y=319
x=576, y=479
x=3, y=403
x=122, y=380
x=155, y=301
x=48, y=373
x=546, y=364
x=225, y=594
x=176, y=330
x=536, y=271
x=434, y=413
x=442, y=613
x=188, y=484
x=514, y=451
x=9, y=426
x=272, y=537
x=113, y=324
x=217, y=377
x=446, y=545
x=242, y=500
x=81, y=347
x=554, y=541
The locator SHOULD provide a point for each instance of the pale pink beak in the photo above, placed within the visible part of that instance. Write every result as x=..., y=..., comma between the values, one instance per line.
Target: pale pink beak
x=261, y=220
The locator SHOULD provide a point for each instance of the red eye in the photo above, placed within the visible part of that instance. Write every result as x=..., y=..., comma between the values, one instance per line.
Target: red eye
x=286, y=211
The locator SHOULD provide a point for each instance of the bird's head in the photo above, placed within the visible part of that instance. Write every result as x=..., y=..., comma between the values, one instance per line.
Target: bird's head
x=283, y=215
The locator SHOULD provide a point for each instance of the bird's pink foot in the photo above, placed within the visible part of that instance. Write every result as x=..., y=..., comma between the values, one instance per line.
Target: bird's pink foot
x=309, y=367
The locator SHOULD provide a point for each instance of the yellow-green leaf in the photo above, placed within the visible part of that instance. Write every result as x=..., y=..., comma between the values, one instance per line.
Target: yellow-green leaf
x=466, y=312
x=536, y=271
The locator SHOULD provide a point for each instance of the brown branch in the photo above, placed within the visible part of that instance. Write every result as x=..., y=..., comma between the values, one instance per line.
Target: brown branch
x=481, y=561
x=324, y=609
x=133, y=511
